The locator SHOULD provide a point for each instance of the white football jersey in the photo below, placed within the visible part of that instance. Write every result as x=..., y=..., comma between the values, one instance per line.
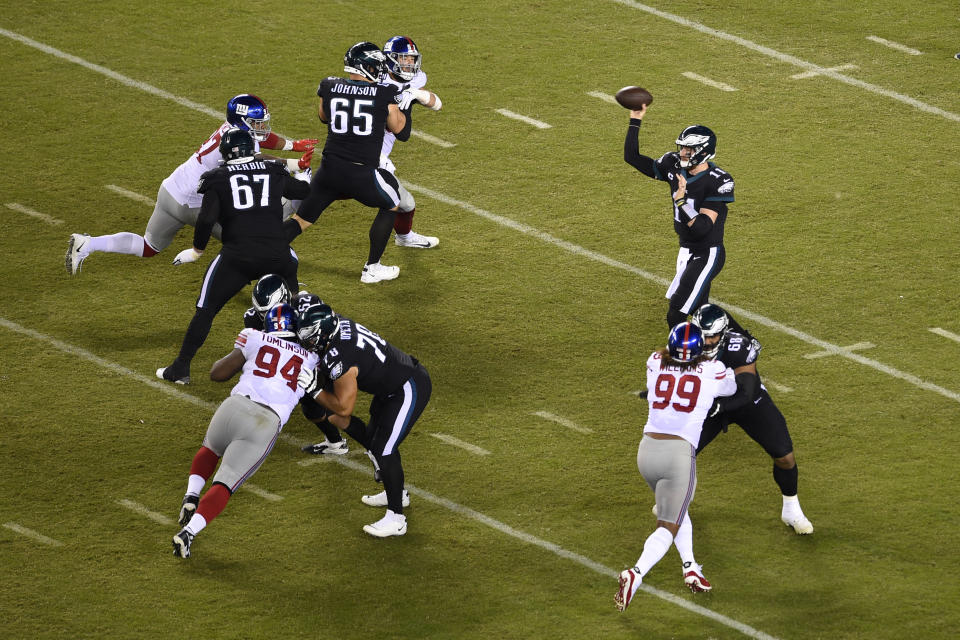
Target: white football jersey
x=270, y=373
x=418, y=82
x=680, y=400
x=182, y=183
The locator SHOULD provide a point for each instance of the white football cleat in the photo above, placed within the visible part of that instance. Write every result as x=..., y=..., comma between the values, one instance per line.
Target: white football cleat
x=798, y=521
x=392, y=524
x=380, y=499
x=415, y=240
x=76, y=252
x=377, y=272
x=629, y=583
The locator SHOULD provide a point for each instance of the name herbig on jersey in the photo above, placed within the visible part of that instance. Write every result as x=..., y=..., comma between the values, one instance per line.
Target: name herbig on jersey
x=356, y=115
x=182, y=183
x=710, y=189
x=680, y=400
x=271, y=369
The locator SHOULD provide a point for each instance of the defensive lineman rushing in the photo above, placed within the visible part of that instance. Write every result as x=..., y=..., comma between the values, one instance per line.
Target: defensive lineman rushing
x=245, y=427
x=751, y=407
x=403, y=71
x=701, y=192
x=682, y=384
x=178, y=203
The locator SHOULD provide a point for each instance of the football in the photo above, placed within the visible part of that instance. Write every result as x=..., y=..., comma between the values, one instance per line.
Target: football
x=633, y=97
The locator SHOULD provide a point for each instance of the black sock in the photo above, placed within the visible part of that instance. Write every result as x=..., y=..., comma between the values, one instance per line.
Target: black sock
x=391, y=472
x=786, y=479
x=196, y=335
x=330, y=432
x=357, y=429
x=380, y=233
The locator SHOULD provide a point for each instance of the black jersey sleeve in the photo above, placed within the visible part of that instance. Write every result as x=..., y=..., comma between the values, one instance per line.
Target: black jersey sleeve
x=294, y=189
x=209, y=215
x=631, y=150
x=252, y=319
x=739, y=350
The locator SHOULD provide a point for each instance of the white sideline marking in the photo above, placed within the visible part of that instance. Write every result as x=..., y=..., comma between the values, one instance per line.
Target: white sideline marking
x=945, y=333
x=30, y=533
x=159, y=518
x=521, y=118
x=736, y=310
x=32, y=213
x=811, y=74
x=133, y=195
x=895, y=45
x=777, y=386
x=606, y=97
x=472, y=448
x=257, y=491
x=593, y=255
x=708, y=81
x=797, y=62
x=569, y=424
x=839, y=350
x=432, y=139
x=426, y=495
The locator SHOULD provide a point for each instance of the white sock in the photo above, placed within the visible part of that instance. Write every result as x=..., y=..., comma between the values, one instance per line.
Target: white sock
x=196, y=524
x=684, y=541
x=195, y=484
x=123, y=242
x=656, y=546
x=791, y=505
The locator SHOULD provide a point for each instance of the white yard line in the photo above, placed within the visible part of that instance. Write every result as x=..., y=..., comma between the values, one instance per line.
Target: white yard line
x=839, y=350
x=365, y=468
x=707, y=81
x=788, y=59
x=263, y=493
x=33, y=213
x=516, y=116
x=606, y=97
x=432, y=139
x=895, y=45
x=133, y=195
x=456, y=442
x=945, y=333
x=777, y=386
x=30, y=533
x=136, y=507
x=813, y=74
x=569, y=424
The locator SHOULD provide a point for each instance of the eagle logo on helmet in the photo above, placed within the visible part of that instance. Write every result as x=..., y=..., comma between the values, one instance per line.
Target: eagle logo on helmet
x=318, y=326
x=713, y=322
x=269, y=291
x=365, y=59
x=702, y=140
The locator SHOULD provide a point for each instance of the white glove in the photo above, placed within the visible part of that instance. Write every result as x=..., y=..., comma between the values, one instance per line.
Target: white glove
x=304, y=175
x=308, y=380
x=404, y=98
x=187, y=255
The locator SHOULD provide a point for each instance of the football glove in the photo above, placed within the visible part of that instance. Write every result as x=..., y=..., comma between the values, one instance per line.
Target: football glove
x=405, y=99
x=304, y=145
x=309, y=381
x=187, y=255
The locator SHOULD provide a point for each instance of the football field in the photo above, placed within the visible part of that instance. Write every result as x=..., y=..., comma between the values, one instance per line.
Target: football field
x=534, y=315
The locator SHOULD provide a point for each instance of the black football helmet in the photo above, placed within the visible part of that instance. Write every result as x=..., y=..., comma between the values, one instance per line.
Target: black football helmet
x=318, y=325
x=281, y=320
x=403, y=57
x=305, y=299
x=365, y=59
x=236, y=144
x=702, y=140
x=269, y=291
x=713, y=322
x=685, y=342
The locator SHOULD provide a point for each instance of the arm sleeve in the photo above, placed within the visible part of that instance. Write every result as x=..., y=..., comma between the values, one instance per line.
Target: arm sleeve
x=294, y=189
x=701, y=226
x=209, y=214
x=291, y=229
x=746, y=391
x=404, y=134
x=631, y=151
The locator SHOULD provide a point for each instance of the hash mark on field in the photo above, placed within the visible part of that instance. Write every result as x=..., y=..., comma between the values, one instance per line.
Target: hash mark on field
x=839, y=350
x=944, y=333
x=708, y=81
x=811, y=74
x=266, y=495
x=788, y=59
x=895, y=45
x=30, y=533
x=472, y=448
x=777, y=386
x=32, y=213
x=133, y=195
x=432, y=139
x=606, y=97
x=159, y=518
x=569, y=424
x=521, y=118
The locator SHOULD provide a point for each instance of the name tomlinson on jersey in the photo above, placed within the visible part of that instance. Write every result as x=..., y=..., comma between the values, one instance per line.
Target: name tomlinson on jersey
x=355, y=89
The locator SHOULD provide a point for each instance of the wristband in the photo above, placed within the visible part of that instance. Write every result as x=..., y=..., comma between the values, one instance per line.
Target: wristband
x=293, y=164
x=288, y=145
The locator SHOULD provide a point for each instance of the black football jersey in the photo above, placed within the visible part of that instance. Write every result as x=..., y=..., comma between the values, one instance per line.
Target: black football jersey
x=356, y=114
x=251, y=208
x=739, y=350
x=252, y=319
x=382, y=368
x=711, y=189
